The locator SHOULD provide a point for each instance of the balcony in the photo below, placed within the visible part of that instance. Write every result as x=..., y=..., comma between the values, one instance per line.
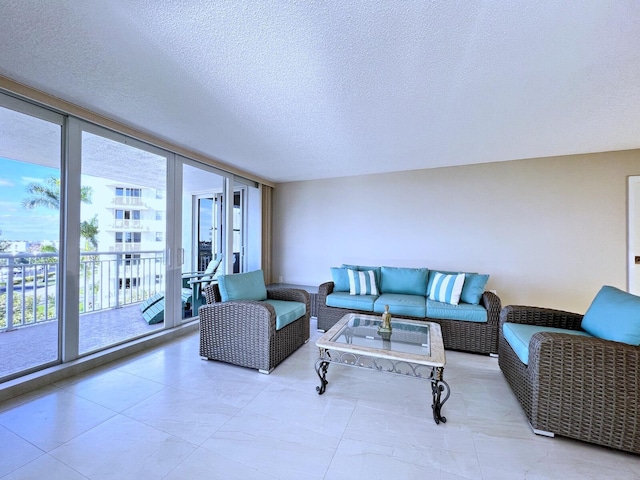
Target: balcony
x=126, y=247
x=129, y=202
x=124, y=223
x=111, y=288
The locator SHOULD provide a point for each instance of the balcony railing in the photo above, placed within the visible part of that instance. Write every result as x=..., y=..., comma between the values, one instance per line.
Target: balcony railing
x=29, y=284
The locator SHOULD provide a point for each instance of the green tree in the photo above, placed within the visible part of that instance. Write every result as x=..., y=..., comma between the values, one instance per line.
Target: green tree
x=47, y=194
x=49, y=249
x=89, y=231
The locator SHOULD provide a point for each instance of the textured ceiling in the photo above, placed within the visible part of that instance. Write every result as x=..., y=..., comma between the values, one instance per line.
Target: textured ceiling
x=299, y=89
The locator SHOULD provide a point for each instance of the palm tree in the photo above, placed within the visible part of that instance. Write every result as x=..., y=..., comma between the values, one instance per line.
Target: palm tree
x=47, y=194
x=89, y=231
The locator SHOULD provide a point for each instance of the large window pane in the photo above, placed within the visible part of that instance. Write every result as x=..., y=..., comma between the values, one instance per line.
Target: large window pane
x=122, y=245
x=29, y=242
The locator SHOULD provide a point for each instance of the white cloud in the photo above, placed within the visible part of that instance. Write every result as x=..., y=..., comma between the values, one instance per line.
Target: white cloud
x=27, y=180
x=6, y=183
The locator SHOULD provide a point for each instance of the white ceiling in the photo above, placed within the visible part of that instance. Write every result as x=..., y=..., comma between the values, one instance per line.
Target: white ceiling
x=299, y=89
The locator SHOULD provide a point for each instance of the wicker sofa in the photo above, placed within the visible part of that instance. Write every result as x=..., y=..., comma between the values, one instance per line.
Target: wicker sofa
x=245, y=332
x=469, y=336
x=574, y=385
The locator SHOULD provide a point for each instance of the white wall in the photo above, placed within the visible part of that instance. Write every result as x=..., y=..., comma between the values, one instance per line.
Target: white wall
x=549, y=231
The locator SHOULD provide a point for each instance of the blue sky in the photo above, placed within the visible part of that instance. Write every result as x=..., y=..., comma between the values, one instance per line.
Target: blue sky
x=16, y=222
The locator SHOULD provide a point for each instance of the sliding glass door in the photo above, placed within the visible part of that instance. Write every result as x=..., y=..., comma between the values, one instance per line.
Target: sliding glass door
x=123, y=214
x=30, y=218
x=104, y=238
x=203, y=242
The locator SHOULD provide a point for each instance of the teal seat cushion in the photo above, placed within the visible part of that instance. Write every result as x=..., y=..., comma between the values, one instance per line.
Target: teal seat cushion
x=463, y=311
x=242, y=286
x=473, y=288
x=409, y=281
x=614, y=315
x=352, y=302
x=340, y=278
x=518, y=336
x=400, y=304
x=287, y=311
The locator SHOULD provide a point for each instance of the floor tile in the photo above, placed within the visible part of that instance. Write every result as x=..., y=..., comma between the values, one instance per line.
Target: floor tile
x=274, y=447
x=124, y=448
x=55, y=470
x=16, y=451
x=53, y=419
x=204, y=464
x=183, y=414
x=115, y=389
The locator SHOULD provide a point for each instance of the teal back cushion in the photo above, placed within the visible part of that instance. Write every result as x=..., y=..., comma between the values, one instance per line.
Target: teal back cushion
x=614, y=315
x=409, y=281
x=242, y=286
x=473, y=288
x=340, y=279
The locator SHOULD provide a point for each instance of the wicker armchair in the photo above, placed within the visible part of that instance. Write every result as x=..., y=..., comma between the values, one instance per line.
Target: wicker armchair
x=244, y=332
x=580, y=387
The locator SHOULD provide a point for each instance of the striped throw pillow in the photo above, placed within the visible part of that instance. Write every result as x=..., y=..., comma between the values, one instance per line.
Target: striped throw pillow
x=446, y=288
x=362, y=282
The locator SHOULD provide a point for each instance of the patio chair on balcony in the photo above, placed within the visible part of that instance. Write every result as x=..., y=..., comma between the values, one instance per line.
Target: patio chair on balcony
x=198, y=281
x=193, y=285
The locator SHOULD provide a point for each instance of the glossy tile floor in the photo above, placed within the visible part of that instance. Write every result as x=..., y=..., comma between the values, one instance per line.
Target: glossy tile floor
x=167, y=414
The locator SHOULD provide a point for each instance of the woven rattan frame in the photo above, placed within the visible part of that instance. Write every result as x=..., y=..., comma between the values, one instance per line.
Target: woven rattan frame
x=244, y=332
x=580, y=387
x=476, y=337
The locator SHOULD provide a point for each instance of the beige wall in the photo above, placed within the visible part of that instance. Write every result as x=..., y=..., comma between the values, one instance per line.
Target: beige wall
x=549, y=231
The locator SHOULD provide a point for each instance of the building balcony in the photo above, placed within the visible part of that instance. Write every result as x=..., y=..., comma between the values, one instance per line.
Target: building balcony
x=129, y=202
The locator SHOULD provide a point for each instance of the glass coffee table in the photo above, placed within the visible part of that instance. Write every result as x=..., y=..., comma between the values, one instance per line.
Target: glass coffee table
x=413, y=348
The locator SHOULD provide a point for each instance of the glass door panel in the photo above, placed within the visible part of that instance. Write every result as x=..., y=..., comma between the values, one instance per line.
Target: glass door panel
x=247, y=227
x=122, y=246
x=30, y=157
x=202, y=233
x=238, y=230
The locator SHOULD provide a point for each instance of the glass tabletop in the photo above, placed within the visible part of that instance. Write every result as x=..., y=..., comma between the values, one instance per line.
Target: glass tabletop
x=405, y=337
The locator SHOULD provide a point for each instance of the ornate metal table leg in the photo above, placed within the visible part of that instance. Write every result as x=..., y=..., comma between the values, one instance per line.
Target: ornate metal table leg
x=321, y=369
x=438, y=385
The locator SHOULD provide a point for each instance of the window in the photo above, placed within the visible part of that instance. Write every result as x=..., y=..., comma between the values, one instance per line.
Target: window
x=128, y=192
x=129, y=282
x=159, y=236
x=132, y=259
x=128, y=214
x=128, y=237
x=159, y=215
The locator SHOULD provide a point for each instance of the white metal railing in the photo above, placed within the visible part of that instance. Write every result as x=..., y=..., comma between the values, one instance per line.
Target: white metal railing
x=29, y=283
